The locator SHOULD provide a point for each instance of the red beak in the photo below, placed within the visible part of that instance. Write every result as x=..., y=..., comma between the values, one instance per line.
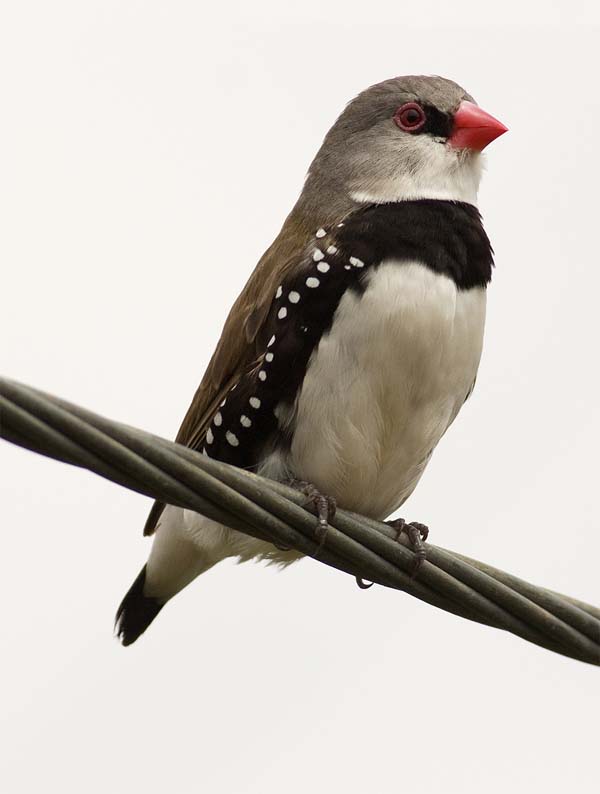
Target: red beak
x=474, y=128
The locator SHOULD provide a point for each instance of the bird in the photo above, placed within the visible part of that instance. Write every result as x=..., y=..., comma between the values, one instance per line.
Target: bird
x=357, y=338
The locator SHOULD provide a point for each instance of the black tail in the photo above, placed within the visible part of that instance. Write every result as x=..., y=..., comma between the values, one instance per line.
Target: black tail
x=136, y=611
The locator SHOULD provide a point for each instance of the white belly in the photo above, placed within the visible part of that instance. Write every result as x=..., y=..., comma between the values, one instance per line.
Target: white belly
x=384, y=385
x=379, y=392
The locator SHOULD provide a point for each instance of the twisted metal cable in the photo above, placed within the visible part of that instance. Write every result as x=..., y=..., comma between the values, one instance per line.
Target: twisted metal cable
x=268, y=510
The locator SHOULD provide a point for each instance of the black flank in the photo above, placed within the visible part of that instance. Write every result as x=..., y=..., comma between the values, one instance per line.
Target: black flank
x=446, y=236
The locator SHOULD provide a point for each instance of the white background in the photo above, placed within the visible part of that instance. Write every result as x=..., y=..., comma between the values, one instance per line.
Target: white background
x=150, y=152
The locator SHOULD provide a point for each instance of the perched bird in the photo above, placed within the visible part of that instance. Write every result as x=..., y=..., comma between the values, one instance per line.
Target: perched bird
x=357, y=338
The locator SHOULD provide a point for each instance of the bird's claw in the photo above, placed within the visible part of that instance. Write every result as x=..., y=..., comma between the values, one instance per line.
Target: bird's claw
x=417, y=535
x=325, y=507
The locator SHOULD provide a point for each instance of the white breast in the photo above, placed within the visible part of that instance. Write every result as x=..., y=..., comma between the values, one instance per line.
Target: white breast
x=384, y=385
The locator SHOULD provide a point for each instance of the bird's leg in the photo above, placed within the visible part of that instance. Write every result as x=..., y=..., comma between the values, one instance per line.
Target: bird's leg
x=417, y=535
x=325, y=506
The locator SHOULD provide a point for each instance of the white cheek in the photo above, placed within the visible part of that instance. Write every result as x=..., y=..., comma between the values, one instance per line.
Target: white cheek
x=440, y=173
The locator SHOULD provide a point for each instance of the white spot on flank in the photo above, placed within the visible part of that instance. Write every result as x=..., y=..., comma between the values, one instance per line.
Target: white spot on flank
x=232, y=439
x=312, y=282
x=262, y=375
x=332, y=249
x=323, y=267
x=321, y=233
x=223, y=403
x=356, y=262
x=254, y=402
x=318, y=255
x=269, y=357
x=209, y=436
x=282, y=313
x=218, y=420
x=245, y=422
x=340, y=224
x=294, y=296
x=347, y=267
x=271, y=341
x=279, y=292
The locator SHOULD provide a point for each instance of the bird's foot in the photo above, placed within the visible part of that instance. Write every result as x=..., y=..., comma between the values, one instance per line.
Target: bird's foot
x=324, y=506
x=417, y=535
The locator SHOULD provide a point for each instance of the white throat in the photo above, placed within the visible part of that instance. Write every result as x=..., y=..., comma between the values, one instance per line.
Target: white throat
x=447, y=176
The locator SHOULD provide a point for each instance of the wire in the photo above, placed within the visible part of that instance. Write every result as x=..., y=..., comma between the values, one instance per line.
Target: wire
x=359, y=546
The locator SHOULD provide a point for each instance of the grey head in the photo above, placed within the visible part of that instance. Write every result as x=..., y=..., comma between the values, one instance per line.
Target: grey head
x=394, y=142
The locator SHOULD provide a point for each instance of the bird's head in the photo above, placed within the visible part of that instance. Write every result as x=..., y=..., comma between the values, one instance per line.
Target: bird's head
x=405, y=138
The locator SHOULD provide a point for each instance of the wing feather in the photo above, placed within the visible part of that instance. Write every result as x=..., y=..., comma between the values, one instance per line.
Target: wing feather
x=236, y=351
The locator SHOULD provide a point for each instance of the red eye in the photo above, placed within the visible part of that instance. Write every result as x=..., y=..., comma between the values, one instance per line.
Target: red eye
x=410, y=117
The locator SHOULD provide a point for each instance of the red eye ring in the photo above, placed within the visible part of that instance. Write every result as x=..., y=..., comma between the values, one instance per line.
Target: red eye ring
x=410, y=117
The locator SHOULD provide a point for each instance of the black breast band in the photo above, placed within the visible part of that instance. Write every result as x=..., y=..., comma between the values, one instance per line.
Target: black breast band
x=445, y=236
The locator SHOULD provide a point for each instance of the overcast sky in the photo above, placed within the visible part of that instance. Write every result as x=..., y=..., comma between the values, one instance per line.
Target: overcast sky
x=150, y=152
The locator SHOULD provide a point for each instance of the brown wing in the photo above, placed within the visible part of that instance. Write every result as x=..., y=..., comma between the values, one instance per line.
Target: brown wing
x=236, y=350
